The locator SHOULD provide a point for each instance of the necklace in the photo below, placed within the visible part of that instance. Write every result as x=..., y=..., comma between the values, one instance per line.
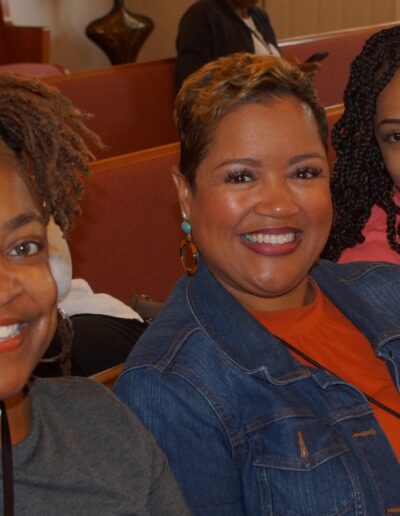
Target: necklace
x=313, y=362
x=6, y=456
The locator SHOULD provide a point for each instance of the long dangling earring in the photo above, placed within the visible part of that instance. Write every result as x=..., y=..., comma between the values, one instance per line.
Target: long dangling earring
x=188, y=250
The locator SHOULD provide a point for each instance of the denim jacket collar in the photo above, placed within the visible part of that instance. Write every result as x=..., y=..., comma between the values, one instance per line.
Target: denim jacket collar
x=339, y=284
x=237, y=333
x=244, y=340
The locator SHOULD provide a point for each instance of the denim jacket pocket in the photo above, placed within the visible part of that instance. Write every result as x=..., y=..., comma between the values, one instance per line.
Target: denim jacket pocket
x=302, y=468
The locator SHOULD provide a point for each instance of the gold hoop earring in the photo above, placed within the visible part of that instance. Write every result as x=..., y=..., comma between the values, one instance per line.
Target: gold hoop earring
x=188, y=250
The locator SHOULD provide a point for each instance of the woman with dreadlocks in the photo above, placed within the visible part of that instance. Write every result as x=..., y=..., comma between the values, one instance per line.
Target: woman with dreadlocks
x=67, y=445
x=366, y=179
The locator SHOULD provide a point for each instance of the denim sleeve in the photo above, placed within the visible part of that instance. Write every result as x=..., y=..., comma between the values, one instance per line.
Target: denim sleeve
x=192, y=437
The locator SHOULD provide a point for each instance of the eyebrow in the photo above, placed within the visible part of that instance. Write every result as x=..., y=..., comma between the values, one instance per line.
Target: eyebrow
x=308, y=155
x=22, y=220
x=389, y=121
x=251, y=162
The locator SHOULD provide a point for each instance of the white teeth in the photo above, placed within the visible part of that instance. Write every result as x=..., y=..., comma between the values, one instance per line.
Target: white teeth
x=7, y=332
x=263, y=238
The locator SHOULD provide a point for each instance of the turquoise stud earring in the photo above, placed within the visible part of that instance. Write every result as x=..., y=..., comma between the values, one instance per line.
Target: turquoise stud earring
x=186, y=227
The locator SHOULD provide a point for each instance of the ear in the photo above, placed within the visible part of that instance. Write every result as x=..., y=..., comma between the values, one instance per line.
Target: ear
x=184, y=192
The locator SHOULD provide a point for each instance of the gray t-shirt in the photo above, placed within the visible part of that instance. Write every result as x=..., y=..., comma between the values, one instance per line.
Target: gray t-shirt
x=87, y=454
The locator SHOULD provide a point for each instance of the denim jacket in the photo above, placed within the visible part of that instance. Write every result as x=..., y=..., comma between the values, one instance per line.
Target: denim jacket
x=247, y=429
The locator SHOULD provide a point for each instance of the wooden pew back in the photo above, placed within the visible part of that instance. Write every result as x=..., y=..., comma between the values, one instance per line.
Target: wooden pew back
x=333, y=113
x=344, y=46
x=109, y=376
x=127, y=239
x=132, y=104
x=22, y=44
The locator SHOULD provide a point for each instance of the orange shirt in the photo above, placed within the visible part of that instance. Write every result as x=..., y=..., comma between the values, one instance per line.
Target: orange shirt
x=323, y=333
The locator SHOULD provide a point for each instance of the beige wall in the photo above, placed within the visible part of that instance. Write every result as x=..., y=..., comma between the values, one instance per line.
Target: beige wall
x=67, y=20
x=297, y=17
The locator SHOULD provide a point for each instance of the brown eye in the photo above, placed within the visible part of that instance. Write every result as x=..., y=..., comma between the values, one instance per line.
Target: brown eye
x=26, y=249
x=307, y=172
x=239, y=176
x=393, y=137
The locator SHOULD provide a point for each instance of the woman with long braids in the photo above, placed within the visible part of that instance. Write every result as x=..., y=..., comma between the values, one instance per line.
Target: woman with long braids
x=67, y=445
x=366, y=178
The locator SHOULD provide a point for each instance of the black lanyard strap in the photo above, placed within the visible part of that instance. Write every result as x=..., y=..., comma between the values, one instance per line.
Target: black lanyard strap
x=6, y=455
x=316, y=364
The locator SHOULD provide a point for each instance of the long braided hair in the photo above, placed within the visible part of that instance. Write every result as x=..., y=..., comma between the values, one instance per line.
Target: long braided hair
x=360, y=178
x=46, y=134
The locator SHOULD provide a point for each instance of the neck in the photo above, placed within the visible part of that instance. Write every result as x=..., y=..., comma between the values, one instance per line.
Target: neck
x=242, y=12
x=19, y=416
x=302, y=295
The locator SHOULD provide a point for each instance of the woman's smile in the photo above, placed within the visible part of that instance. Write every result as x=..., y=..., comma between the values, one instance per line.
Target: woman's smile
x=12, y=335
x=272, y=241
x=261, y=209
x=27, y=290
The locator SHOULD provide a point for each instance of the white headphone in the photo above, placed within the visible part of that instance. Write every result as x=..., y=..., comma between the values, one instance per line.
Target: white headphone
x=59, y=259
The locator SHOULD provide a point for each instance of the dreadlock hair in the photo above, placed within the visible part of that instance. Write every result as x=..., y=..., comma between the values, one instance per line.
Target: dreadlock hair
x=45, y=133
x=360, y=178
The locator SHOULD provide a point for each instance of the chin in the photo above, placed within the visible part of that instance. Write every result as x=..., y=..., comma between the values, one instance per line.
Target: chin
x=12, y=383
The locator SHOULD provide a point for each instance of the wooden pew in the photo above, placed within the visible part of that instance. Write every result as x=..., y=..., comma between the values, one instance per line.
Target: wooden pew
x=22, y=44
x=333, y=113
x=344, y=46
x=132, y=104
x=109, y=376
x=127, y=239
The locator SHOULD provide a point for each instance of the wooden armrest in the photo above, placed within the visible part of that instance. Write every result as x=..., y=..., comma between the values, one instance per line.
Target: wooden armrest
x=108, y=377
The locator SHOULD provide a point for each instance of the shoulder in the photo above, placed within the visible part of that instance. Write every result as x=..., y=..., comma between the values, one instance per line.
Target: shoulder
x=81, y=405
x=167, y=333
x=202, y=8
x=378, y=283
x=70, y=390
x=109, y=450
x=260, y=13
x=355, y=270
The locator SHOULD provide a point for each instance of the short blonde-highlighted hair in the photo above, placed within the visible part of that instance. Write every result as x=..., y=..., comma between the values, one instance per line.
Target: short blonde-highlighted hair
x=220, y=86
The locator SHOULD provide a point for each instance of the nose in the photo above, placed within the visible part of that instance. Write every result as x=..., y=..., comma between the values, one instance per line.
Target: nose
x=10, y=286
x=276, y=199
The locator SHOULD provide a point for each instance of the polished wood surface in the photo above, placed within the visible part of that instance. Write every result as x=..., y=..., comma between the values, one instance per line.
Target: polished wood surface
x=132, y=104
x=109, y=376
x=22, y=44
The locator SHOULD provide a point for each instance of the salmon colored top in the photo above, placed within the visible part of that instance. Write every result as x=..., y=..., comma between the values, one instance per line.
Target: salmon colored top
x=323, y=333
x=375, y=246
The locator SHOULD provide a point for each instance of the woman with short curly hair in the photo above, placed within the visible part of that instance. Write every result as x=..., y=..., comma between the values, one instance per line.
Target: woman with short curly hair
x=266, y=378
